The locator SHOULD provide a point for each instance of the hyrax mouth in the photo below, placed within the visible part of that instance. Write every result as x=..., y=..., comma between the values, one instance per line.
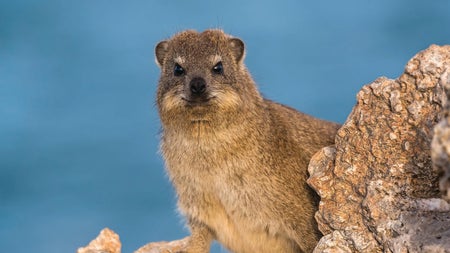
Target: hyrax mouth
x=196, y=101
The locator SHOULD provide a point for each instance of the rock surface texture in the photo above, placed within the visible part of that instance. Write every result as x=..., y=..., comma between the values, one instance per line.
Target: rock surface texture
x=106, y=242
x=379, y=189
x=385, y=184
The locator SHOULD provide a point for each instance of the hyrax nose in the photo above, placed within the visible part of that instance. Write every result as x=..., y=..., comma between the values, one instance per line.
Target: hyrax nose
x=197, y=85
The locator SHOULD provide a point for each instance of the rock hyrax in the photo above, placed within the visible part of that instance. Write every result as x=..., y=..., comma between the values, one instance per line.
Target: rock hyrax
x=238, y=161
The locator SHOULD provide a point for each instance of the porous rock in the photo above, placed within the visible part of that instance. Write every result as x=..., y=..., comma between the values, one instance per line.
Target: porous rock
x=379, y=190
x=106, y=242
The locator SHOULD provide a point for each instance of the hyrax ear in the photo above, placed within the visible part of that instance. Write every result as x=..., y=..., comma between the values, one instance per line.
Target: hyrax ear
x=238, y=49
x=160, y=52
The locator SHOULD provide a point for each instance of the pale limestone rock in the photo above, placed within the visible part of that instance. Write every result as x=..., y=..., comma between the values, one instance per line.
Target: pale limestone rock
x=379, y=191
x=106, y=242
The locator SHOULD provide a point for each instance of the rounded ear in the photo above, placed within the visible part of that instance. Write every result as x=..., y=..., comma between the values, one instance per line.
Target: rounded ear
x=238, y=48
x=160, y=52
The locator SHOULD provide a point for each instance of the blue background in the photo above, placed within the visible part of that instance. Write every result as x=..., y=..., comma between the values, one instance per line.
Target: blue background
x=78, y=123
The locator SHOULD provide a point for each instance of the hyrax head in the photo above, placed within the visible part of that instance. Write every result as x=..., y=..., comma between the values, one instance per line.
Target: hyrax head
x=202, y=75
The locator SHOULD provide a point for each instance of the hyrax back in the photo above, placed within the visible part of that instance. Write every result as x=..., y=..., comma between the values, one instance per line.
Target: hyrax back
x=238, y=161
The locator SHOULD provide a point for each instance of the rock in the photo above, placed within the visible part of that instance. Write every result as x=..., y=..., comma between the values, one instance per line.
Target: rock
x=106, y=242
x=379, y=190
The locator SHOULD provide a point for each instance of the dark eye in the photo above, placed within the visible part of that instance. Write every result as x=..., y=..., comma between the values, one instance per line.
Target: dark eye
x=218, y=68
x=178, y=70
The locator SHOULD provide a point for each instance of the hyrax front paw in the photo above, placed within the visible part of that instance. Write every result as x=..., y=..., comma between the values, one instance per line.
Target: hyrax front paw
x=178, y=246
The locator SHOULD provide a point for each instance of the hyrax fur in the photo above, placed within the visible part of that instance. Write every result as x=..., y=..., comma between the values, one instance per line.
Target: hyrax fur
x=238, y=161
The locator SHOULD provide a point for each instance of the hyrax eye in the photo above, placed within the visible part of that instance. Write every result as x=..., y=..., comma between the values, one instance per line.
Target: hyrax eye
x=178, y=70
x=218, y=68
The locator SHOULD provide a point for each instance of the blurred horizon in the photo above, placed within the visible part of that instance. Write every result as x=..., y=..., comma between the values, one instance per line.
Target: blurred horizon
x=79, y=130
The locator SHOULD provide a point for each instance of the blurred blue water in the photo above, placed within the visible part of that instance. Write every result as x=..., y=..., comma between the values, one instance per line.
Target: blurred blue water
x=78, y=124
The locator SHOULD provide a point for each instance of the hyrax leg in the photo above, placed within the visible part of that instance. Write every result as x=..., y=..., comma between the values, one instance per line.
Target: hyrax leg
x=198, y=242
x=200, y=239
x=306, y=240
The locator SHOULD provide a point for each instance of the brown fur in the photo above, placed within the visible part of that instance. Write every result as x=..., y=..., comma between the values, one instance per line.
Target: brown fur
x=238, y=161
